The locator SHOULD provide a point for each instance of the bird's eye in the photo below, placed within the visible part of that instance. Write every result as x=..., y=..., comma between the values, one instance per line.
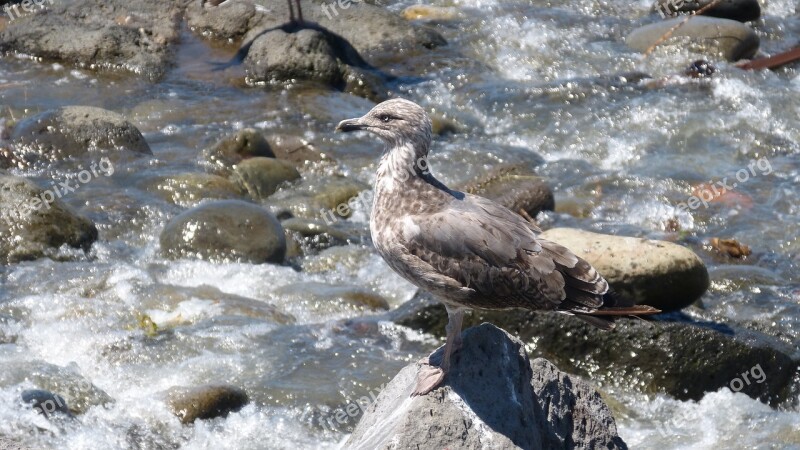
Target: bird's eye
x=385, y=119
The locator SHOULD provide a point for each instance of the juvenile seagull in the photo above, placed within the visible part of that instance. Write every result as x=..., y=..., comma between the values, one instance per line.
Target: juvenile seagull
x=467, y=250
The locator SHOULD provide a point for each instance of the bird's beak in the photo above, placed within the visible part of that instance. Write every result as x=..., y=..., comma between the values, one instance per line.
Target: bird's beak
x=350, y=125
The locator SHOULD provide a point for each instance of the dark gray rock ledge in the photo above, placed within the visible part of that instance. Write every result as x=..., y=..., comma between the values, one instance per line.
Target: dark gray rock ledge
x=494, y=397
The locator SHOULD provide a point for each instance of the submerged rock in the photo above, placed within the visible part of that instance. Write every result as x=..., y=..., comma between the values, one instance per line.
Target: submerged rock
x=684, y=360
x=656, y=273
x=225, y=230
x=260, y=177
x=741, y=10
x=134, y=36
x=329, y=298
x=34, y=223
x=189, y=189
x=295, y=149
x=75, y=132
x=232, y=150
x=729, y=39
x=205, y=402
x=494, y=397
x=76, y=393
x=329, y=199
x=46, y=402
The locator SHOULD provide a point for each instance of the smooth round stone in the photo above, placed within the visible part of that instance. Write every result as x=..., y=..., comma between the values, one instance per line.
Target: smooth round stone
x=225, y=230
x=710, y=36
x=232, y=150
x=261, y=177
x=205, y=402
x=656, y=273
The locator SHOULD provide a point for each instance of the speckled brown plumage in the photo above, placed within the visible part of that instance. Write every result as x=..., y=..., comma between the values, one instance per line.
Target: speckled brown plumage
x=467, y=250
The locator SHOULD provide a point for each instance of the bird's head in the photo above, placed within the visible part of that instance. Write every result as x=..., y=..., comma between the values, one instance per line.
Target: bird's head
x=395, y=122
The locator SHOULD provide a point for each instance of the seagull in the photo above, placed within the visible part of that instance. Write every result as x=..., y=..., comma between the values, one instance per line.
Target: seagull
x=466, y=250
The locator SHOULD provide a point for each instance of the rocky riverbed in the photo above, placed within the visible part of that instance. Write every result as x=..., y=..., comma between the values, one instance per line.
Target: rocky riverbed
x=185, y=259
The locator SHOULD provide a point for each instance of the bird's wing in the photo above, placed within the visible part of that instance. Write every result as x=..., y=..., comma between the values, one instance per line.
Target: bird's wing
x=494, y=251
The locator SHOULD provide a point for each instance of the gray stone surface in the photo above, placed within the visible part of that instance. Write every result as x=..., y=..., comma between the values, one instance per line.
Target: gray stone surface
x=129, y=35
x=225, y=230
x=494, y=397
x=31, y=229
x=75, y=132
x=710, y=36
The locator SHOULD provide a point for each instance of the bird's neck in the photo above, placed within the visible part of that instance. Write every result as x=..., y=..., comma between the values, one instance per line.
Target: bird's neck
x=399, y=164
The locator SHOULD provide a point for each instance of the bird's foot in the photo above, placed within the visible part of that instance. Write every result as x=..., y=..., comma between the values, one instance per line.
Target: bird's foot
x=429, y=378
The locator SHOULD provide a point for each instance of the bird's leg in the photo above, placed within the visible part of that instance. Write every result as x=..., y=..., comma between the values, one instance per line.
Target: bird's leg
x=291, y=11
x=299, y=12
x=430, y=376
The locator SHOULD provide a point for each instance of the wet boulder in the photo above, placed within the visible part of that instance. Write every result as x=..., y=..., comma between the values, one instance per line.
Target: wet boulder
x=514, y=188
x=332, y=299
x=132, y=36
x=205, y=402
x=709, y=36
x=188, y=189
x=295, y=149
x=657, y=273
x=231, y=150
x=493, y=394
x=740, y=10
x=76, y=132
x=329, y=199
x=46, y=402
x=682, y=359
x=260, y=177
x=34, y=223
x=225, y=230
x=70, y=392
x=376, y=33
x=277, y=55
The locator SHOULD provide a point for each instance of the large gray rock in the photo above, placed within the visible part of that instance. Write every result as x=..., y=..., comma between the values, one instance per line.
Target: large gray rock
x=685, y=360
x=75, y=132
x=278, y=55
x=127, y=35
x=31, y=228
x=656, y=273
x=225, y=230
x=710, y=36
x=372, y=30
x=741, y=10
x=494, y=397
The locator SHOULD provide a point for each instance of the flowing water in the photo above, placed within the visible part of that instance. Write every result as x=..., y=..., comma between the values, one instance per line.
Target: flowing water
x=519, y=80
